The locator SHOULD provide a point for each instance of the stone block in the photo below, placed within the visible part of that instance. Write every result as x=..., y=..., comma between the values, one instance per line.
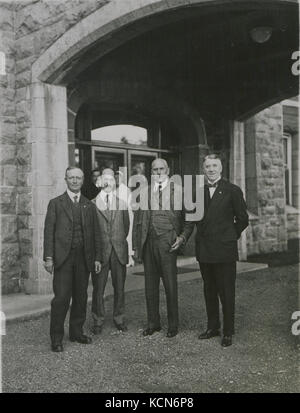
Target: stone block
x=25, y=241
x=23, y=78
x=9, y=229
x=271, y=232
x=24, y=178
x=8, y=175
x=10, y=282
x=24, y=154
x=257, y=233
x=8, y=200
x=269, y=210
x=266, y=163
x=24, y=48
x=7, y=131
x=25, y=222
x=7, y=154
x=9, y=255
x=7, y=108
x=24, y=204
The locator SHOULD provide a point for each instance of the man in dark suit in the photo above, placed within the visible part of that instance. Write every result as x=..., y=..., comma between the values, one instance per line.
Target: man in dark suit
x=90, y=190
x=113, y=220
x=71, y=251
x=157, y=235
x=225, y=218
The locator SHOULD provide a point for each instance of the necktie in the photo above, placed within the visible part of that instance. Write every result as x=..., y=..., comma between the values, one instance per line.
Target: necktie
x=212, y=185
x=207, y=198
x=76, y=199
x=107, y=201
x=160, y=195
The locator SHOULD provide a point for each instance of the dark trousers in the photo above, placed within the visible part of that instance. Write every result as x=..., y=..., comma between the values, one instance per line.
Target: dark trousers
x=70, y=281
x=160, y=263
x=219, y=282
x=118, y=275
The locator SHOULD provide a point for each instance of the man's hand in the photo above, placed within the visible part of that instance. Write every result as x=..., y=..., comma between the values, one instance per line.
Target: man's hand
x=179, y=241
x=136, y=258
x=97, y=267
x=48, y=264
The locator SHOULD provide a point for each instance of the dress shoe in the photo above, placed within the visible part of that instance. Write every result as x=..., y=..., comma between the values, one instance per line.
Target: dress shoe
x=209, y=334
x=57, y=348
x=172, y=333
x=226, y=341
x=81, y=339
x=97, y=330
x=122, y=327
x=150, y=331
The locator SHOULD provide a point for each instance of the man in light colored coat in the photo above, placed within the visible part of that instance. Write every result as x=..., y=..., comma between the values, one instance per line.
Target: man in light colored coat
x=113, y=221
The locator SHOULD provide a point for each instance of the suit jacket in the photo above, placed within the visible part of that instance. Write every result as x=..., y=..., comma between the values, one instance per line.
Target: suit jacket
x=58, y=230
x=224, y=220
x=141, y=221
x=113, y=233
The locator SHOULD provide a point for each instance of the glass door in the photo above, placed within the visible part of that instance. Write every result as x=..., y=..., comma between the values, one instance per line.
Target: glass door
x=108, y=158
x=139, y=163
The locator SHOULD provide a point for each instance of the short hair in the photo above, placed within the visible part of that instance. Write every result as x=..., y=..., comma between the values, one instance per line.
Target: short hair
x=212, y=156
x=160, y=159
x=95, y=170
x=112, y=173
x=71, y=167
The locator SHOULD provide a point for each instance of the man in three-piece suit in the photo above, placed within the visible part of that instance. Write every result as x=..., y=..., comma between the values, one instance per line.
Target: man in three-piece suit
x=113, y=221
x=71, y=251
x=157, y=235
x=225, y=218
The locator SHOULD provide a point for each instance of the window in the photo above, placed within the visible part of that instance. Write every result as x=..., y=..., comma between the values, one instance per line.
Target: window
x=121, y=134
x=287, y=159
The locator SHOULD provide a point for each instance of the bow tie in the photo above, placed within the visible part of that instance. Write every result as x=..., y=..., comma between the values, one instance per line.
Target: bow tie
x=212, y=185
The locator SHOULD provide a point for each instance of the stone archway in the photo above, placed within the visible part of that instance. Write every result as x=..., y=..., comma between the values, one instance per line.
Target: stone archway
x=108, y=28
x=112, y=18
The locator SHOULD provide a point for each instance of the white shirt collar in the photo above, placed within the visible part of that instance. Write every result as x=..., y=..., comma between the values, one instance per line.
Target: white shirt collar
x=214, y=182
x=163, y=185
x=104, y=194
x=72, y=194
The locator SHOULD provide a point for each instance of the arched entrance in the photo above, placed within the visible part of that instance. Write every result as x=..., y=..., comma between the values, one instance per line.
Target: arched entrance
x=111, y=137
x=201, y=67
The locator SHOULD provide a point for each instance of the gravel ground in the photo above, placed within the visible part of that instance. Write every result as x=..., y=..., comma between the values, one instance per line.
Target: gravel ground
x=264, y=357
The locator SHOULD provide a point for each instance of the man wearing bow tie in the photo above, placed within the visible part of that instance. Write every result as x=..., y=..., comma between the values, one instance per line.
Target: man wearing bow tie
x=157, y=235
x=71, y=252
x=113, y=222
x=225, y=218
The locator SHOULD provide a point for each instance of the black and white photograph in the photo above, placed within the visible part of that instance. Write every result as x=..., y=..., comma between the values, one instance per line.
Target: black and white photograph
x=150, y=199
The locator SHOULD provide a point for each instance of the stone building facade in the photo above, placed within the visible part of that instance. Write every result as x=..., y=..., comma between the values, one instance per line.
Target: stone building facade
x=65, y=59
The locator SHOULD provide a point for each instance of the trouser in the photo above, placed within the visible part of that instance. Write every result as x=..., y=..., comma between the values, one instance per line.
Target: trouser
x=118, y=276
x=70, y=281
x=219, y=282
x=160, y=263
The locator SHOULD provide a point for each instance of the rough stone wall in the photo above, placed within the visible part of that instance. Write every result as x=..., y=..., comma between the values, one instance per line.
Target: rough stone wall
x=293, y=223
x=27, y=29
x=10, y=265
x=268, y=230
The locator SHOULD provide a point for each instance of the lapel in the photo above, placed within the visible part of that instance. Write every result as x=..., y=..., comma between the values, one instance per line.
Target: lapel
x=66, y=203
x=151, y=195
x=166, y=194
x=84, y=205
x=115, y=206
x=103, y=209
x=215, y=201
